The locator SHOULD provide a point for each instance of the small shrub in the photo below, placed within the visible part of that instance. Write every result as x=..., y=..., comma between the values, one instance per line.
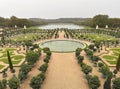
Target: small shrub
x=116, y=83
x=46, y=49
x=36, y=82
x=80, y=59
x=86, y=69
x=100, y=64
x=44, y=67
x=94, y=82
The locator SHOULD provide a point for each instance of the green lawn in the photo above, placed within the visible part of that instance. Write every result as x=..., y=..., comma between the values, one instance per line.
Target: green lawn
x=28, y=36
x=98, y=37
x=16, y=59
x=1, y=50
x=1, y=66
x=112, y=59
x=112, y=62
x=109, y=57
x=116, y=49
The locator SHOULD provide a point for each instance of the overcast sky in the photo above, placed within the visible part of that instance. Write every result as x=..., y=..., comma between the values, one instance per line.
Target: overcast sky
x=59, y=8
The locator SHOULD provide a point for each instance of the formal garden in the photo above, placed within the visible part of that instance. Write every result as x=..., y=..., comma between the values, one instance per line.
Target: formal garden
x=81, y=58
x=112, y=56
x=17, y=59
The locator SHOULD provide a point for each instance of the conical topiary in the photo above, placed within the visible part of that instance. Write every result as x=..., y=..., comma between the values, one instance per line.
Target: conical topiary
x=10, y=62
x=118, y=63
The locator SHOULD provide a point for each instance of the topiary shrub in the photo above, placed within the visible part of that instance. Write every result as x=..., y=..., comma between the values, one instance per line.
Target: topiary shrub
x=80, y=59
x=42, y=76
x=10, y=62
x=104, y=70
x=100, y=64
x=116, y=83
x=43, y=67
x=46, y=49
x=14, y=83
x=77, y=52
x=86, y=69
x=32, y=57
x=94, y=82
x=36, y=82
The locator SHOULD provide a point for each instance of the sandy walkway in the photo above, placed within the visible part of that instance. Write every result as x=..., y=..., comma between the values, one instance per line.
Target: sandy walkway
x=61, y=34
x=64, y=73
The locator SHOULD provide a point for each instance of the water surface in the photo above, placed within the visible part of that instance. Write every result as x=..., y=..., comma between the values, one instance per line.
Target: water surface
x=61, y=25
x=63, y=45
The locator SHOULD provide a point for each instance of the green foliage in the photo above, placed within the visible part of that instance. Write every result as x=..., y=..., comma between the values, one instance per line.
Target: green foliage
x=32, y=57
x=94, y=82
x=80, y=59
x=110, y=74
x=86, y=69
x=100, y=64
x=28, y=43
x=35, y=46
x=14, y=82
x=77, y=52
x=39, y=51
x=118, y=63
x=48, y=53
x=25, y=68
x=23, y=72
x=1, y=66
x=105, y=70
x=115, y=71
x=4, y=83
x=19, y=22
x=36, y=82
x=43, y=67
x=46, y=49
x=107, y=84
x=42, y=76
x=95, y=58
x=116, y=83
x=47, y=59
x=91, y=46
x=89, y=52
x=114, y=22
x=113, y=58
x=1, y=85
x=100, y=20
x=97, y=44
x=10, y=62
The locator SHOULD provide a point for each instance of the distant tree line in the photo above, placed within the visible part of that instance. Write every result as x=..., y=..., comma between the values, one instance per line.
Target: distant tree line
x=19, y=22
x=103, y=20
x=100, y=20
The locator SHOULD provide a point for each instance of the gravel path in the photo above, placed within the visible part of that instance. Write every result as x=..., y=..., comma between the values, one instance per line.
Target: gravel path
x=64, y=73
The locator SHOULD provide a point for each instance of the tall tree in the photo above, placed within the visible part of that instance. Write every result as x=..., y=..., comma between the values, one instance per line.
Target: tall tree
x=107, y=84
x=2, y=21
x=118, y=63
x=9, y=61
x=100, y=20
